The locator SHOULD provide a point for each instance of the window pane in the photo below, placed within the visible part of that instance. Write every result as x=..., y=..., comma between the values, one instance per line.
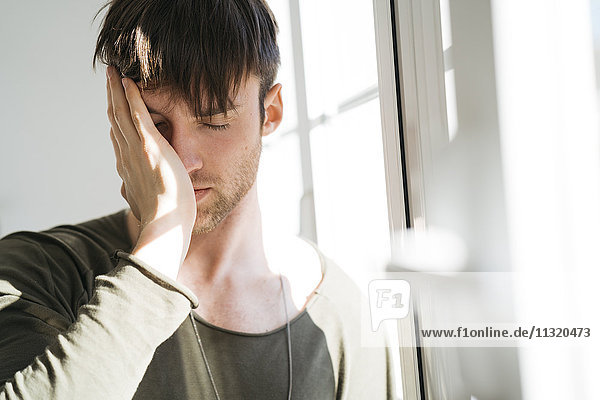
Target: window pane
x=280, y=185
x=339, y=51
x=350, y=192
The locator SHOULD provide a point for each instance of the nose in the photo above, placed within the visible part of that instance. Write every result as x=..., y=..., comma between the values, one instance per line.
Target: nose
x=187, y=148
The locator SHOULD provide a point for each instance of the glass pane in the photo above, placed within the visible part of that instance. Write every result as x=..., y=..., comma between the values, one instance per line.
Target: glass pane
x=280, y=185
x=350, y=192
x=339, y=46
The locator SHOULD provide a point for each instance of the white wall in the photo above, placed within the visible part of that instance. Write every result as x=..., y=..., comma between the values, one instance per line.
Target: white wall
x=56, y=160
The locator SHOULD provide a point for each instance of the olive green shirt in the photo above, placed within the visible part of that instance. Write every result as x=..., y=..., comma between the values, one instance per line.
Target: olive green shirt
x=77, y=322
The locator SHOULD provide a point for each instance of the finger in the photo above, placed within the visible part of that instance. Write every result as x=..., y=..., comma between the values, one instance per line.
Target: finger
x=118, y=155
x=115, y=131
x=115, y=144
x=138, y=111
x=120, y=108
x=132, y=206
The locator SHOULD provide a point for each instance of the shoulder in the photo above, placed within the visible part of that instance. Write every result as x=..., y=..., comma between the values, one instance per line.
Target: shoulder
x=339, y=291
x=338, y=301
x=56, y=268
x=361, y=358
x=80, y=244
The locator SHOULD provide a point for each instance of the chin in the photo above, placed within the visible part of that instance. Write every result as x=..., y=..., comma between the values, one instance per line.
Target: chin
x=208, y=222
x=203, y=226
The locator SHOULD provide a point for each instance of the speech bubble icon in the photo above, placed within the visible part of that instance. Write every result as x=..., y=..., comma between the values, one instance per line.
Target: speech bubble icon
x=388, y=299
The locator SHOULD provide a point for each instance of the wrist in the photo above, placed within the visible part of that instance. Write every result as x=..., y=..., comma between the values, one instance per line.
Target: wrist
x=162, y=248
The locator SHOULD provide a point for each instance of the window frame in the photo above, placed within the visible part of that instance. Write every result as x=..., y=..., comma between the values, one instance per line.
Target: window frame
x=414, y=125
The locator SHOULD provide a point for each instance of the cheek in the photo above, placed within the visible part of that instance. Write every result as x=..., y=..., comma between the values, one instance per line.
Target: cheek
x=249, y=132
x=235, y=144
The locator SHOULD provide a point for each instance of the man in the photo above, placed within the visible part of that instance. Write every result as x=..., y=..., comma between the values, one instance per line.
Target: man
x=103, y=309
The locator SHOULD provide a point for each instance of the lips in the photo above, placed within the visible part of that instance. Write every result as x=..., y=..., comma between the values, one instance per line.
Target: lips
x=200, y=193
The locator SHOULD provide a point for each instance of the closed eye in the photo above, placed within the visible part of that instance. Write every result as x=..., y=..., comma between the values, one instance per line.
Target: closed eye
x=216, y=127
x=161, y=127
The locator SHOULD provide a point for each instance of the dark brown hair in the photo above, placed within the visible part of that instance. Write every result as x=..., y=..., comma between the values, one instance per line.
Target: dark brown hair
x=200, y=50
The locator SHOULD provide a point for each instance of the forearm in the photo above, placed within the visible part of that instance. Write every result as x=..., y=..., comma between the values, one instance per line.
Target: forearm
x=105, y=353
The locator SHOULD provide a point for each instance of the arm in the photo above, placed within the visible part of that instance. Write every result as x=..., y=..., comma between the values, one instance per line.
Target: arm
x=104, y=354
x=106, y=351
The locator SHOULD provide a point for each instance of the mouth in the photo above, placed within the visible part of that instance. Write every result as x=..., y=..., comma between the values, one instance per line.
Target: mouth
x=200, y=192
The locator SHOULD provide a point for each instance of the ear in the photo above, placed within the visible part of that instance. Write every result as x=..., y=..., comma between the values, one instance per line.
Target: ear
x=273, y=110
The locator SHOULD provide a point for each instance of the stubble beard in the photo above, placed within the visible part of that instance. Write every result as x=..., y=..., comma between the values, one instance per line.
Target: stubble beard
x=228, y=192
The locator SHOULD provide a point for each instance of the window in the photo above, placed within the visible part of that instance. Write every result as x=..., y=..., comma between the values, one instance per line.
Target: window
x=500, y=132
x=329, y=153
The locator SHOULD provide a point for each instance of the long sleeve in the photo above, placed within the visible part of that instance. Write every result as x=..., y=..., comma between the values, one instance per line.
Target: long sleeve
x=104, y=351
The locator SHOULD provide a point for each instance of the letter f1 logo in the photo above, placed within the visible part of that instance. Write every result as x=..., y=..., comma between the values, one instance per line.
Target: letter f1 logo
x=388, y=299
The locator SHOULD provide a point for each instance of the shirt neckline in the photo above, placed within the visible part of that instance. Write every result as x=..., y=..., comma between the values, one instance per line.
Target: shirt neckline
x=204, y=322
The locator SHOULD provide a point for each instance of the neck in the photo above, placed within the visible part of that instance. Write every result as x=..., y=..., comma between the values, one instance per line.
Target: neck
x=233, y=248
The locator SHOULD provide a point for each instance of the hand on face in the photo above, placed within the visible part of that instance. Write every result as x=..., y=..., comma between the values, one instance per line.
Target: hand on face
x=156, y=184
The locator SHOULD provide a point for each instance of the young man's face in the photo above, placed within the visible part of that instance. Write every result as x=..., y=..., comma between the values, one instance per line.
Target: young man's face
x=221, y=154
